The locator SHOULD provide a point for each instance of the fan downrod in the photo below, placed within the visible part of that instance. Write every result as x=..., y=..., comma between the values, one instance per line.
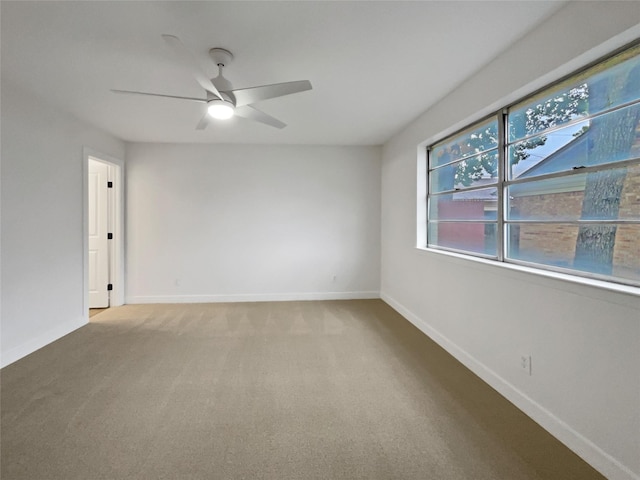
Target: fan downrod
x=221, y=56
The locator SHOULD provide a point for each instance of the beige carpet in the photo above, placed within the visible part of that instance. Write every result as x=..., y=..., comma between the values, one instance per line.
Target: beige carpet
x=95, y=311
x=301, y=390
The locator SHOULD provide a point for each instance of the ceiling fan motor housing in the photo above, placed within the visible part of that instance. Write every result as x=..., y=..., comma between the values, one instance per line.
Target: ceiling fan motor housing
x=224, y=92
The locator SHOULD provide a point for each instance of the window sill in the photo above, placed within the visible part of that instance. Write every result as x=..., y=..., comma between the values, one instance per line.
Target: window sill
x=599, y=285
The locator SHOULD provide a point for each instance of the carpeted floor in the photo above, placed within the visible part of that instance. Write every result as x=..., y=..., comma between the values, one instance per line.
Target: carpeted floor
x=95, y=311
x=298, y=390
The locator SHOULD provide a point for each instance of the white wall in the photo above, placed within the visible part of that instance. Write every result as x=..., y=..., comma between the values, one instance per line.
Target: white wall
x=242, y=223
x=584, y=340
x=42, y=221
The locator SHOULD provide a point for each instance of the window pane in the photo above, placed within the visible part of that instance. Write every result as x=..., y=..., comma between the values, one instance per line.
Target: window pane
x=474, y=140
x=553, y=152
x=473, y=237
x=472, y=172
x=607, y=195
x=605, y=139
x=479, y=204
x=612, y=250
x=609, y=84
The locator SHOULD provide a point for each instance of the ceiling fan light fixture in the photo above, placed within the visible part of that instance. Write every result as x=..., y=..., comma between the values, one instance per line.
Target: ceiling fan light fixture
x=220, y=109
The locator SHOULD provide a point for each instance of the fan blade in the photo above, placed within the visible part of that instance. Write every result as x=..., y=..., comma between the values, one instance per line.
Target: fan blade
x=253, y=113
x=188, y=60
x=246, y=96
x=129, y=92
x=204, y=121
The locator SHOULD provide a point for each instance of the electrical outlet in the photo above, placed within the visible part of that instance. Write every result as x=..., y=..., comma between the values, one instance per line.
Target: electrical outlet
x=525, y=363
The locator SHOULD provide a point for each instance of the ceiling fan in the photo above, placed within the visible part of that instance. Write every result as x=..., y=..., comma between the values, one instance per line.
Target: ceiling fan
x=222, y=100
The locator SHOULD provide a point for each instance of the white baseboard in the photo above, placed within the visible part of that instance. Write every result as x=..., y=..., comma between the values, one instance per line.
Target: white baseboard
x=606, y=464
x=16, y=353
x=258, y=297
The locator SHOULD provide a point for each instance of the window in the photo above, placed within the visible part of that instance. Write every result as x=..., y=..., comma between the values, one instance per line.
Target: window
x=552, y=182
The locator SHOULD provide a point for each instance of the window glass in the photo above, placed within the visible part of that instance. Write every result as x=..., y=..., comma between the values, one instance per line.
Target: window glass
x=607, y=85
x=478, y=204
x=608, y=138
x=472, y=172
x=472, y=237
x=475, y=140
x=563, y=198
x=562, y=245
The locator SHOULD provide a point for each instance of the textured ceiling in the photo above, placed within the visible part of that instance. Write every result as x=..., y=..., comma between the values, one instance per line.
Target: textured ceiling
x=374, y=66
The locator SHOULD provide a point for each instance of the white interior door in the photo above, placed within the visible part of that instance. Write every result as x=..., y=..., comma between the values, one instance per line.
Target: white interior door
x=98, y=230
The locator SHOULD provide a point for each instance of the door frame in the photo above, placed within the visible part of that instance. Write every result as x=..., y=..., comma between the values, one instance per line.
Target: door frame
x=116, y=219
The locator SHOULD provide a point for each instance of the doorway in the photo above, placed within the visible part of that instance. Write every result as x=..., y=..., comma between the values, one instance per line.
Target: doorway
x=103, y=232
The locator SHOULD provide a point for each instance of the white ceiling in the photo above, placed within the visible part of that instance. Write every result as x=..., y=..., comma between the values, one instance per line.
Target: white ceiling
x=374, y=66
